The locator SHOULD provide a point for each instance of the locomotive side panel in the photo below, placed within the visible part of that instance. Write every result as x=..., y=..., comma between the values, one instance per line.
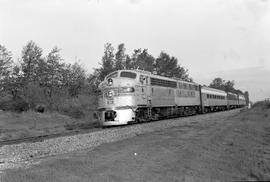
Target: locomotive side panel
x=162, y=96
x=141, y=95
x=187, y=97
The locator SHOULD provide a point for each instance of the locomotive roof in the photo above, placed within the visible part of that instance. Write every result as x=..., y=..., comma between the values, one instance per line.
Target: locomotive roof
x=158, y=76
x=213, y=91
x=231, y=93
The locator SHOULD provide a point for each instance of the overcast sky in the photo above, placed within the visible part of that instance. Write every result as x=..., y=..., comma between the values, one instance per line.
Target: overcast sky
x=212, y=38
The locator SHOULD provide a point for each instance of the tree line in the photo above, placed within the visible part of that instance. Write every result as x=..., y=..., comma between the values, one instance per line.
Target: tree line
x=38, y=79
x=164, y=64
x=46, y=80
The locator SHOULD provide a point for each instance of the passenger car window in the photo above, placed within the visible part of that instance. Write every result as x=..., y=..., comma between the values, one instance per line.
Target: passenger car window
x=143, y=79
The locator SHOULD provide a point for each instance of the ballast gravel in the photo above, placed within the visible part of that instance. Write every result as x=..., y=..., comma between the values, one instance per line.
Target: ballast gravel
x=26, y=153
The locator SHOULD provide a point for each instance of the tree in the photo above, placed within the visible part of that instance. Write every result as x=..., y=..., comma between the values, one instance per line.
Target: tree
x=10, y=78
x=246, y=94
x=239, y=92
x=229, y=86
x=31, y=56
x=134, y=58
x=77, y=79
x=5, y=62
x=13, y=83
x=168, y=66
x=218, y=83
x=107, y=66
x=141, y=59
x=128, y=62
x=54, y=66
x=120, y=57
x=51, y=72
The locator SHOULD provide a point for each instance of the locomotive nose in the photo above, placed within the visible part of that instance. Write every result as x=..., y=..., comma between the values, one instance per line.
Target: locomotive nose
x=110, y=115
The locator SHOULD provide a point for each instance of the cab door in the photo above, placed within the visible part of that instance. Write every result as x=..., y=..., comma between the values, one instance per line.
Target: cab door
x=146, y=94
x=148, y=90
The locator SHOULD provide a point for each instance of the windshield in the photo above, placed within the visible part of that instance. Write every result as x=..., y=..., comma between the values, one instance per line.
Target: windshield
x=128, y=74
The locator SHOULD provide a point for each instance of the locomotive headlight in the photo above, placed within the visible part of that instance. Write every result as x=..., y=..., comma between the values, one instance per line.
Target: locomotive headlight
x=110, y=94
x=130, y=89
x=110, y=82
x=126, y=90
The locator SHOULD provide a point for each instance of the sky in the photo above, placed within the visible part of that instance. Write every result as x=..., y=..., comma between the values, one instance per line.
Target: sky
x=211, y=38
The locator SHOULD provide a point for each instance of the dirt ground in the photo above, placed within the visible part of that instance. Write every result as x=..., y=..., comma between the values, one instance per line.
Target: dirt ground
x=233, y=149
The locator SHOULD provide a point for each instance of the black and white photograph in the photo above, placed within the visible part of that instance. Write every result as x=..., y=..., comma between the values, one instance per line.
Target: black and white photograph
x=134, y=90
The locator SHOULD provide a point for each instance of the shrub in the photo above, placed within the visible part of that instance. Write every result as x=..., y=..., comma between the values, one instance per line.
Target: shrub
x=35, y=95
x=40, y=108
x=268, y=105
x=20, y=105
x=13, y=104
x=78, y=107
x=261, y=105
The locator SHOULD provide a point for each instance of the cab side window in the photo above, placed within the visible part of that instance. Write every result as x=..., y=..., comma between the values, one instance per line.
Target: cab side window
x=143, y=79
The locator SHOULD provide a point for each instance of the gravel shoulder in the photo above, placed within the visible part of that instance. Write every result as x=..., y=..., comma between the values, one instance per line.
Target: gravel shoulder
x=222, y=146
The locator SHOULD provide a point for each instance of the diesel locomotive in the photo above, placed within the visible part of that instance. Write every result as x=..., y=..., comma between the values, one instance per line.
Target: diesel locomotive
x=133, y=96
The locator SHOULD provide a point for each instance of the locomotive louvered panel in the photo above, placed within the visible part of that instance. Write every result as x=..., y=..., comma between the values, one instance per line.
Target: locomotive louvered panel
x=163, y=83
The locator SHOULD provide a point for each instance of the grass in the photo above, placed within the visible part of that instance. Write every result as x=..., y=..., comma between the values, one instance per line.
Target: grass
x=18, y=125
x=64, y=114
x=241, y=157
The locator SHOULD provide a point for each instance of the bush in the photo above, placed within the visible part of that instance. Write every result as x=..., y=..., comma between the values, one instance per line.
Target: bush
x=261, y=105
x=40, y=108
x=35, y=95
x=40, y=99
x=78, y=107
x=268, y=105
x=10, y=104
